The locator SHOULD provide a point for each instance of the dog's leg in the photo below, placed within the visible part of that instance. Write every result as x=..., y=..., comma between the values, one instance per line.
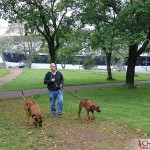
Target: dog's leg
x=28, y=115
x=80, y=108
x=93, y=116
x=88, y=116
x=29, y=119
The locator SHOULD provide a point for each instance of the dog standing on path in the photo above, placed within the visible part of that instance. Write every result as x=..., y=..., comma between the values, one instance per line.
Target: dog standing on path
x=89, y=106
x=33, y=111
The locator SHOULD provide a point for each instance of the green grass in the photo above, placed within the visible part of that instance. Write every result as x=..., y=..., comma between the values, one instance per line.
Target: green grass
x=4, y=72
x=124, y=116
x=120, y=104
x=124, y=112
x=33, y=78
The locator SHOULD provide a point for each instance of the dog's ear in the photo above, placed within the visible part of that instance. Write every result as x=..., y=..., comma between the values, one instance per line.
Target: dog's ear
x=92, y=107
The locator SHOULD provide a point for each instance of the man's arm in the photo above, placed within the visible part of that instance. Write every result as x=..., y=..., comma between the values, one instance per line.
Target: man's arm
x=62, y=81
x=47, y=79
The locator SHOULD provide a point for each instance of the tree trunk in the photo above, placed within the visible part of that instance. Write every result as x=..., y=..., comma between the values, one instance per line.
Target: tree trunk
x=52, y=51
x=131, y=65
x=63, y=61
x=63, y=65
x=53, y=55
x=108, y=61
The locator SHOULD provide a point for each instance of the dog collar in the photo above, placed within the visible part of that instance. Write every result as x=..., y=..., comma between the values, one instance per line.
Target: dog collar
x=36, y=115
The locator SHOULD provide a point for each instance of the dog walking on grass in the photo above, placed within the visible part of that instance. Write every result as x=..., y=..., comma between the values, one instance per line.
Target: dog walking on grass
x=89, y=106
x=33, y=111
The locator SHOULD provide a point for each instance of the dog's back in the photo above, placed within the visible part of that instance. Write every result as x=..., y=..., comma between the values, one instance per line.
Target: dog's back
x=28, y=102
x=35, y=109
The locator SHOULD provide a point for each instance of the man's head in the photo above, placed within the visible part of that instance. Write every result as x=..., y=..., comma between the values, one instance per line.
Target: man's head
x=53, y=67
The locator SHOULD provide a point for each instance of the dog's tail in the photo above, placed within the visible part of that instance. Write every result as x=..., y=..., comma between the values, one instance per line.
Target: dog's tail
x=80, y=99
x=23, y=95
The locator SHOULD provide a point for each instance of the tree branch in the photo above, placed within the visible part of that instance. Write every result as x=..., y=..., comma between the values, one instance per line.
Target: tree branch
x=143, y=48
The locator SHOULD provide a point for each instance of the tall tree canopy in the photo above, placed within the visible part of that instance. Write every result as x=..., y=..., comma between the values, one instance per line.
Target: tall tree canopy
x=129, y=20
x=133, y=26
x=49, y=18
x=102, y=17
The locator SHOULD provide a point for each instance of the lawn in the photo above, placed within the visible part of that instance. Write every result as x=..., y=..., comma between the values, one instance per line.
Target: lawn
x=4, y=72
x=33, y=78
x=124, y=117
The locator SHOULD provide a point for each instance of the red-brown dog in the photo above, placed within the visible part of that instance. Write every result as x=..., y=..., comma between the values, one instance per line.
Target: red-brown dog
x=89, y=106
x=33, y=111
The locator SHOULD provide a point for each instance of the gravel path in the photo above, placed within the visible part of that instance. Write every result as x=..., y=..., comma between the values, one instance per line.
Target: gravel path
x=13, y=74
x=16, y=72
x=66, y=89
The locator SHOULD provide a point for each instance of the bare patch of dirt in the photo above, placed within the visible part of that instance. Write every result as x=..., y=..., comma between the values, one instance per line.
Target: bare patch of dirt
x=13, y=74
x=76, y=134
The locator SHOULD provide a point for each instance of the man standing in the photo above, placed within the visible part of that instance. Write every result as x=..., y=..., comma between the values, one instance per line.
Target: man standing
x=54, y=81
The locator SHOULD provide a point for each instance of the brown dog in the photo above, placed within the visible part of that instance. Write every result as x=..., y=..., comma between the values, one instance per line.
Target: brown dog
x=33, y=111
x=89, y=106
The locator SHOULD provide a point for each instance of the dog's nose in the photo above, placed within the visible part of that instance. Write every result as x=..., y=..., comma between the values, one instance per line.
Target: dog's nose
x=40, y=124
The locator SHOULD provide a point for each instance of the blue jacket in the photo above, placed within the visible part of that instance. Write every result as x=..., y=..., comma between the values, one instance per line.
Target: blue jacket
x=53, y=86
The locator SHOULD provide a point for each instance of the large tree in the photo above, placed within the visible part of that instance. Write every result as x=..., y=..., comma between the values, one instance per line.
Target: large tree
x=49, y=18
x=130, y=20
x=104, y=39
x=133, y=26
x=102, y=18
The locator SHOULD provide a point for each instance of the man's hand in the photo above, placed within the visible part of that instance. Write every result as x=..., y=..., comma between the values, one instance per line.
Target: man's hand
x=53, y=80
x=61, y=87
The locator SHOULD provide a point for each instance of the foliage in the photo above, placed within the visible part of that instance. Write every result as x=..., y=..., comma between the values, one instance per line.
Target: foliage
x=133, y=22
x=100, y=15
x=14, y=41
x=72, y=43
x=89, y=62
x=45, y=17
x=123, y=22
x=6, y=44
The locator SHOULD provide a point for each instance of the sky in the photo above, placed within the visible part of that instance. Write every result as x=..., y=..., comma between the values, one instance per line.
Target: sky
x=3, y=26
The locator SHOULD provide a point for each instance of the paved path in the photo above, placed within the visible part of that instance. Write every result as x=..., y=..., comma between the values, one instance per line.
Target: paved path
x=68, y=88
x=13, y=74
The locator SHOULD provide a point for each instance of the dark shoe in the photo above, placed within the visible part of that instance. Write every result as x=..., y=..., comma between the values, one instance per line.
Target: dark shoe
x=59, y=115
x=54, y=115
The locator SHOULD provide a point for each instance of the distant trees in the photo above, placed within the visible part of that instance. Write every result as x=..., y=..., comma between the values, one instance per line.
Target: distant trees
x=28, y=45
x=89, y=62
x=71, y=44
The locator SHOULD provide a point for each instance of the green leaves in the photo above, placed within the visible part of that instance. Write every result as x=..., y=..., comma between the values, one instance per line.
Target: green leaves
x=133, y=21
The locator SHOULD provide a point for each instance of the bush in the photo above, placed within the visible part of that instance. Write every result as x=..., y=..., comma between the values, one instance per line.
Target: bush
x=89, y=62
